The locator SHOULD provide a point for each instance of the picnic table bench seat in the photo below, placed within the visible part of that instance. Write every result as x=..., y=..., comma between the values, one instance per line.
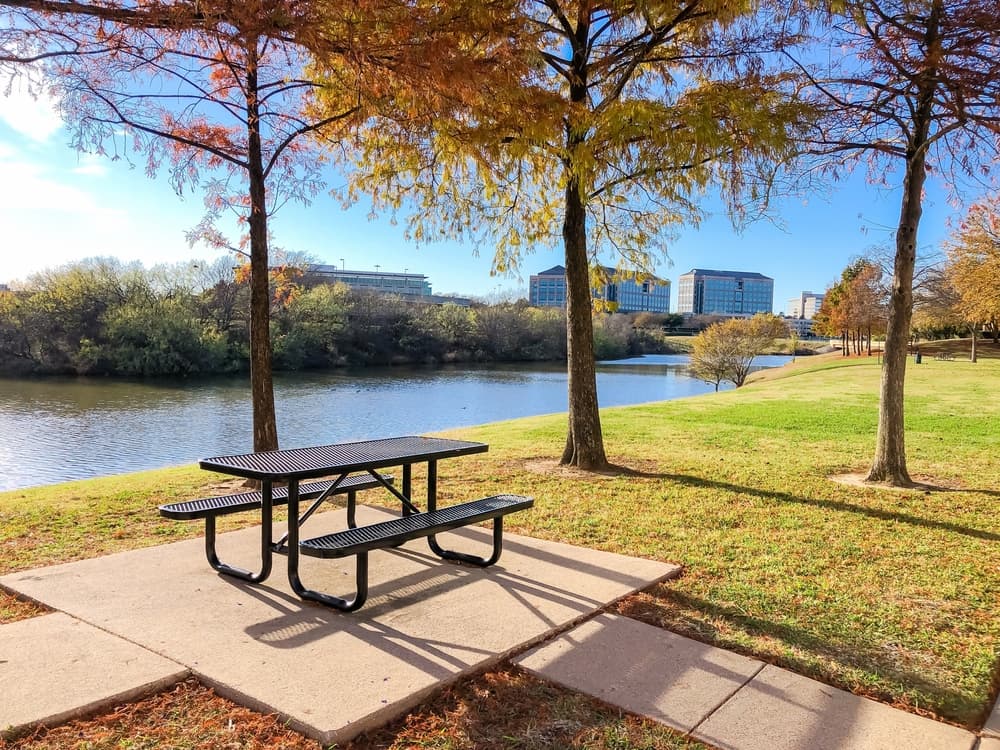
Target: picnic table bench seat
x=211, y=507
x=362, y=539
x=243, y=501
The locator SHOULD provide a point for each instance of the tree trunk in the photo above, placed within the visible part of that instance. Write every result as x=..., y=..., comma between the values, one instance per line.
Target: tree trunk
x=889, y=463
x=584, y=441
x=265, y=430
x=974, y=337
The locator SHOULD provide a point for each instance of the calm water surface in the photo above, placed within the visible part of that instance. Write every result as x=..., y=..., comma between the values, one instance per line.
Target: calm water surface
x=54, y=430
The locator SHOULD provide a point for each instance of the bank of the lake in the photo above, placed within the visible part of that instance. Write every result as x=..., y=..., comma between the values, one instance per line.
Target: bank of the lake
x=57, y=429
x=894, y=595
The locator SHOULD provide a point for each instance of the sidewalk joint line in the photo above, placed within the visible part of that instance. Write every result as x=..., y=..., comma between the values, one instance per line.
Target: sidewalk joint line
x=726, y=700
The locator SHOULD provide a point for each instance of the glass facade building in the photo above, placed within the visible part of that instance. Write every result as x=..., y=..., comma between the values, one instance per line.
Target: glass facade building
x=737, y=293
x=548, y=289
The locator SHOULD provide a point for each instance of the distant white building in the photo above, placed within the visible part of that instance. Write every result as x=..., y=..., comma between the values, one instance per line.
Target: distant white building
x=800, y=326
x=403, y=284
x=414, y=287
x=805, y=306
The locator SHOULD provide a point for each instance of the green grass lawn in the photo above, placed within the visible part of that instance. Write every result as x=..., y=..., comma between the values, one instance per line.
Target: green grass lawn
x=890, y=594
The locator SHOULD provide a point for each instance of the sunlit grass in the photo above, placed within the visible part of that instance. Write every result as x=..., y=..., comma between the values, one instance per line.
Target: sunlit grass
x=890, y=594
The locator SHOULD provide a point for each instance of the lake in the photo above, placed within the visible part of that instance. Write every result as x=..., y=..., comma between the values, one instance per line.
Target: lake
x=58, y=429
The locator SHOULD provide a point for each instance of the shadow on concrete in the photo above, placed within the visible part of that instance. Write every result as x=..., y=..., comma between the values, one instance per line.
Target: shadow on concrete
x=846, y=654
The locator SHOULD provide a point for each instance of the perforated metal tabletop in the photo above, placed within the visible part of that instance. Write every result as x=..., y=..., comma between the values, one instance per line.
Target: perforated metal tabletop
x=304, y=463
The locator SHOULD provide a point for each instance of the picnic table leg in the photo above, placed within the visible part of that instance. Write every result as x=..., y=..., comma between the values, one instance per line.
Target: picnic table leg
x=361, y=573
x=407, y=485
x=266, y=512
x=446, y=554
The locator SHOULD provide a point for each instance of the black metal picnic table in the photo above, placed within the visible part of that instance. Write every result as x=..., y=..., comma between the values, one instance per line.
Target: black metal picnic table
x=341, y=461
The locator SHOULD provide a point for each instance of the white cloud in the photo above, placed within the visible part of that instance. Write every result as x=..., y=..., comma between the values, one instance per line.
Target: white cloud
x=91, y=165
x=30, y=115
x=30, y=185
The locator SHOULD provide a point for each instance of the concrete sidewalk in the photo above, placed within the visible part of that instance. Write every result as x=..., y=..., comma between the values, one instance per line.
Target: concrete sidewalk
x=331, y=675
x=726, y=700
x=135, y=622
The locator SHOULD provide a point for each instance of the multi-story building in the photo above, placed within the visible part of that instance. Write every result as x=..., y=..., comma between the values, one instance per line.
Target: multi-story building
x=413, y=286
x=407, y=284
x=802, y=327
x=548, y=289
x=736, y=293
x=806, y=305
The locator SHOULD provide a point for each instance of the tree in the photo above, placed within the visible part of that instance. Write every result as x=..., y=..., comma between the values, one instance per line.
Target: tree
x=726, y=350
x=218, y=90
x=973, y=268
x=914, y=84
x=865, y=301
x=831, y=318
x=231, y=124
x=712, y=355
x=630, y=112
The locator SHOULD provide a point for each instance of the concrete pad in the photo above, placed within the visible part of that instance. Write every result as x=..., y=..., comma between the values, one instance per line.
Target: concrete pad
x=988, y=743
x=55, y=668
x=643, y=669
x=992, y=727
x=333, y=675
x=780, y=710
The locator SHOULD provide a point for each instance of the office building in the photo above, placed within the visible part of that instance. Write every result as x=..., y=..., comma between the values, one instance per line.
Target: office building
x=405, y=284
x=548, y=289
x=802, y=327
x=735, y=293
x=414, y=287
x=806, y=305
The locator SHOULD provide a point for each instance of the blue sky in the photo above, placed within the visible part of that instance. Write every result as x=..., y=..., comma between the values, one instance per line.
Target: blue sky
x=58, y=206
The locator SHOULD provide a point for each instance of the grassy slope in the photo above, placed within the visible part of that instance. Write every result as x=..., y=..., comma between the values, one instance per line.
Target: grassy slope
x=891, y=594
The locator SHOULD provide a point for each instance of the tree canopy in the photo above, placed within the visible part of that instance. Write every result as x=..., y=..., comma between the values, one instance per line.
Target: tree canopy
x=606, y=145
x=973, y=268
x=855, y=307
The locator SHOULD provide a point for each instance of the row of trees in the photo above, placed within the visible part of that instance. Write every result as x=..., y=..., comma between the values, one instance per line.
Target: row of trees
x=103, y=317
x=955, y=294
x=527, y=122
x=855, y=308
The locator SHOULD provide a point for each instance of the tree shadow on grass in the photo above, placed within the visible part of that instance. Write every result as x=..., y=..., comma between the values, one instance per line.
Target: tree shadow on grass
x=663, y=606
x=614, y=470
x=837, y=505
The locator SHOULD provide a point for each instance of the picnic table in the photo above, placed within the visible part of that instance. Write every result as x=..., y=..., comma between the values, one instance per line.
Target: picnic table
x=353, y=467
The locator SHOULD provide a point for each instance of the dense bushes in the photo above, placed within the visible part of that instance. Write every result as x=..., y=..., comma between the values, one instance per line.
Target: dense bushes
x=103, y=317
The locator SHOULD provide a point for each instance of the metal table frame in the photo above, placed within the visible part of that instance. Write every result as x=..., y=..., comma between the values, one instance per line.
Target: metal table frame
x=341, y=459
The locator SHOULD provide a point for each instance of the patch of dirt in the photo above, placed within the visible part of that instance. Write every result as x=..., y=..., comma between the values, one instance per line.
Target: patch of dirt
x=920, y=484
x=14, y=607
x=188, y=715
x=552, y=467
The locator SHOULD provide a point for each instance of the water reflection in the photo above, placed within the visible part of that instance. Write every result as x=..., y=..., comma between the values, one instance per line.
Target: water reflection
x=58, y=429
